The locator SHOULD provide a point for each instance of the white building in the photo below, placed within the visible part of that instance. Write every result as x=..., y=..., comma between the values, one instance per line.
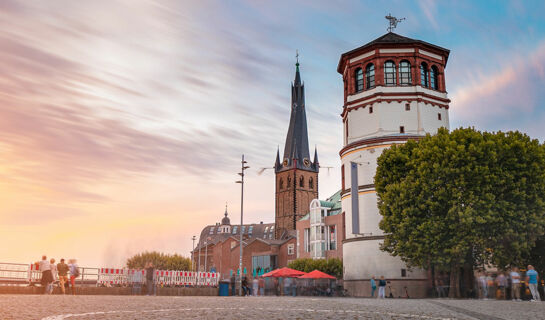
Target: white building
x=394, y=90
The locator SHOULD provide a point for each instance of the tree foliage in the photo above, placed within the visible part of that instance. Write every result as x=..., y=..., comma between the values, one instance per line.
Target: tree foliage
x=331, y=266
x=464, y=197
x=160, y=261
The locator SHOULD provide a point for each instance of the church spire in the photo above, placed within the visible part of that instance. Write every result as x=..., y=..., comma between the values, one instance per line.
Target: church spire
x=296, y=149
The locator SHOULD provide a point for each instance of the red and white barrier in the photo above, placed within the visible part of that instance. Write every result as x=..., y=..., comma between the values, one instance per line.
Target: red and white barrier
x=164, y=278
x=112, y=277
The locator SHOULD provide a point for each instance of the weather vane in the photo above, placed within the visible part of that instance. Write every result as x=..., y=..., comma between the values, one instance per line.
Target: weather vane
x=393, y=22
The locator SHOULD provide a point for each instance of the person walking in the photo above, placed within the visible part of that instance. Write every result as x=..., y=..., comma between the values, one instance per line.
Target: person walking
x=515, y=284
x=531, y=278
x=483, y=285
x=255, y=287
x=74, y=273
x=261, y=286
x=150, y=273
x=501, y=282
x=62, y=271
x=373, y=286
x=47, y=277
x=54, y=274
x=381, y=288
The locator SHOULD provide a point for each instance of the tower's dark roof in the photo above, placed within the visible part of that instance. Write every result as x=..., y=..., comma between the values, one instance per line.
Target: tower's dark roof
x=392, y=38
x=296, y=149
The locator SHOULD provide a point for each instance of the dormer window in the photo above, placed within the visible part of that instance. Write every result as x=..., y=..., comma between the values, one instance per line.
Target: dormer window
x=405, y=73
x=370, y=76
x=358, y=76
x=390, y=73
x=424, y=75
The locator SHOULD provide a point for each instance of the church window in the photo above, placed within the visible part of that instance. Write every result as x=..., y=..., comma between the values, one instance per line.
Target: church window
x=289, y=182
x=433, y=78
x=405, y=73
x=370, y=76
x=311, y=183
x=302, y=182
x=359, y=79
x=390, y=73
x=424, y=74
x=281, y=183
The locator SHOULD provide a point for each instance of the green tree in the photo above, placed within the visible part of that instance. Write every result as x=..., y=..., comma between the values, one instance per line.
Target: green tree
x=331, y=266
x=462, y=199
x=160, y=261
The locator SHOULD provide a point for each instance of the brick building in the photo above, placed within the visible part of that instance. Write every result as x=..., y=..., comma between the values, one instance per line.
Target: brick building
x=320, y=233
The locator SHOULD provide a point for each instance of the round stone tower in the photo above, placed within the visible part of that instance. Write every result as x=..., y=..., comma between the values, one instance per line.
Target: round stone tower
x=394, y=90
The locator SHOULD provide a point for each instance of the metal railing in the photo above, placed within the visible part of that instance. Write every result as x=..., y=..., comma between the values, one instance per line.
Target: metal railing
x=27, y=274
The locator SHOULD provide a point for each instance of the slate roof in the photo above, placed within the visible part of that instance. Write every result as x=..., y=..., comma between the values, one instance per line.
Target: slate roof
x=296, y=148
x=392, y=38
x=258, y=231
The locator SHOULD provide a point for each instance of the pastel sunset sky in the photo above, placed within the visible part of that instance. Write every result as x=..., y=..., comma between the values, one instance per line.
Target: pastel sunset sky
x=122, y=122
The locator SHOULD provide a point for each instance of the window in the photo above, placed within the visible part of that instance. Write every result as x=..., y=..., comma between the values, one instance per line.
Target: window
x=424, y=74
x=291, y=249
x=407, y=107
x=233, y=244
x=358, y=76
x=235, y=229
x=403, y=273
x=371, y=109
x=211, y=230
x=243, y=229
x=370, y=76
x=301, y=182
x=438, y=116
x=390, y=73
x=265, y=232
x=311, y=183
x=342, y=177
x=433, y=78
x=289, y=182
x=306, y=241
x=281, y=183
x=332, y=238
x=405, y=73
x=219, y=230
x=401, y=129
x=250, y=230
x=271, y=234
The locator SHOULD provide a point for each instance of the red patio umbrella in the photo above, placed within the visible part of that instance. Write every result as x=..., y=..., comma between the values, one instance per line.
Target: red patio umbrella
x=284, y=273
x=316, y=274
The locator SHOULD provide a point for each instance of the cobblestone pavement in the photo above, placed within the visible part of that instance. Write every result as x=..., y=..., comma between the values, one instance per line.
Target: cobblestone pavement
x=126, y=307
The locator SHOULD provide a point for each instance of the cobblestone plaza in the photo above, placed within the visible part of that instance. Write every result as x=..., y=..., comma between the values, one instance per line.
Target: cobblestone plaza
x=128, y=307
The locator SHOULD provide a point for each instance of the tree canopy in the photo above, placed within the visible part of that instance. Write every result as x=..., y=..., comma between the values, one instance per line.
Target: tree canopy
x=160, y=261
x=331, y=266
x=462, y=197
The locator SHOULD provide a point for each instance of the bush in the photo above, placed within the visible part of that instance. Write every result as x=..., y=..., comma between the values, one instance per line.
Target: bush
x=160, y=261
x=331, y=266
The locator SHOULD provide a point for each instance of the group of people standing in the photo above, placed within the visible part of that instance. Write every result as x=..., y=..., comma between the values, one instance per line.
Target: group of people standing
x=52, y=272
x=509, y=280
x=257, y=287
x=381, y=287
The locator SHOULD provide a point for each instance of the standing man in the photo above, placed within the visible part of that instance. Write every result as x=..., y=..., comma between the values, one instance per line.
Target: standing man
x=515, y=284
x=501, y=282
x=47, y=276
x=381, y=288
x=373, y=286
x=150, y=273
x=74, y=273
x=62, y=269
x=531, y=278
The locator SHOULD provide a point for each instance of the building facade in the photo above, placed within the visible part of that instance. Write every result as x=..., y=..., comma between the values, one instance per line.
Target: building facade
x=394, y=91
x=296, y=175
x=320, y=233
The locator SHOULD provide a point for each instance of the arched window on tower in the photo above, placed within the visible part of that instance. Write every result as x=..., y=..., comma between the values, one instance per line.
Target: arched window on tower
x=289, y=182
x=433, y=78
x=405, y=73
x=281, y=183
x=301, y=182
x=389, y=73
x=424, y=74
x=358, y=76
x=311, y=183
x=370, y=76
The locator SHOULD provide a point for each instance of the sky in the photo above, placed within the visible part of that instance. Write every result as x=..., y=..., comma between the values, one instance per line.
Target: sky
x=122, y=122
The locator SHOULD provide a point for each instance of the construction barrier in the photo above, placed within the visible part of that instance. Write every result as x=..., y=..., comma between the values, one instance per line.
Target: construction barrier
x=110, y=277
x=164, y=278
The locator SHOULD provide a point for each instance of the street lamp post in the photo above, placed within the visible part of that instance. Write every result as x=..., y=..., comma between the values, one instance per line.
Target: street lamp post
x=241, y=181
x=193, y=254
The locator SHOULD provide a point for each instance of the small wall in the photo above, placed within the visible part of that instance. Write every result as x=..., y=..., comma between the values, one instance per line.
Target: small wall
x=181, y=291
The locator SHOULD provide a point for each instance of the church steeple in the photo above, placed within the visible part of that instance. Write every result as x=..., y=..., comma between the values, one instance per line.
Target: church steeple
x=296, y=149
